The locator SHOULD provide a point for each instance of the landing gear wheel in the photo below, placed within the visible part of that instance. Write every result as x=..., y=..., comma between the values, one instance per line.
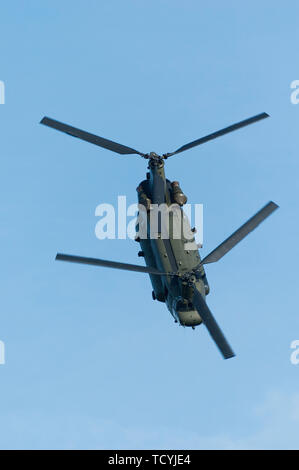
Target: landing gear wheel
x=207, y=289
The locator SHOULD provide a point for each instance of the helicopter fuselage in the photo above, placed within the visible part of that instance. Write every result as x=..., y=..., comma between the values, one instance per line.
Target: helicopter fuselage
x=168, y=244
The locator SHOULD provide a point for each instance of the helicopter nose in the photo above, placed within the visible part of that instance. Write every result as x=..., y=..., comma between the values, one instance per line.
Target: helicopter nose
x=189, y=317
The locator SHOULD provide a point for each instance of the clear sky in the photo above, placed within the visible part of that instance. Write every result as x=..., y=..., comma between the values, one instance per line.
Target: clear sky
x=91, y=360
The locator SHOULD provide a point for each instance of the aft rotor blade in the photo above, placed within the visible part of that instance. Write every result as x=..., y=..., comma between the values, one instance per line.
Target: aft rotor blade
x=211, y=325
x=241, y=233
x=92, y=138
x=110, y=264
x=214, y=135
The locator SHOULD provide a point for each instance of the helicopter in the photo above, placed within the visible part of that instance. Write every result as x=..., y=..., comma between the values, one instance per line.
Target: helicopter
x=173, y=262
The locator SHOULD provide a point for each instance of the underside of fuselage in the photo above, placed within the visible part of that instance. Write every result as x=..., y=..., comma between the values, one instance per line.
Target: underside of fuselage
x=182, y=308
x=187, y=315
x=171, y=253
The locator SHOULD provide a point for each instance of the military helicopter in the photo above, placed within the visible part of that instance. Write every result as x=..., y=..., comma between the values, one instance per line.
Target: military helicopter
x=177, y=274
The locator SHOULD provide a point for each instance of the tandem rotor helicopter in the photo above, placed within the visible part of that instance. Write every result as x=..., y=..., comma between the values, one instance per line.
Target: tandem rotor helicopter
x=177, y=274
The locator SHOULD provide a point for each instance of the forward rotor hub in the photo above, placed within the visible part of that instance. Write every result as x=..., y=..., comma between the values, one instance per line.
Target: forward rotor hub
x=153, y=156
x=154, y=159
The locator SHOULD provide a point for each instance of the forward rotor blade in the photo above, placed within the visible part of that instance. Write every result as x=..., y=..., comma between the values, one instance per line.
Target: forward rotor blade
x=214, y=135
x=109, y=264
x=212, y=326
x=241, y=233
x=92, y=138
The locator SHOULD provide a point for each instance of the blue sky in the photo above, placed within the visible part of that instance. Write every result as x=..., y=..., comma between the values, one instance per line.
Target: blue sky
x=91, y=360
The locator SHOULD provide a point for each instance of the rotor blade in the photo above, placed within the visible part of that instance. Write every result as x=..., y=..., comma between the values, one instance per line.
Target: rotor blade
x=110, y=264
x=94, y=139
x=212, y=325
x=241, y=233
x=214, y=135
